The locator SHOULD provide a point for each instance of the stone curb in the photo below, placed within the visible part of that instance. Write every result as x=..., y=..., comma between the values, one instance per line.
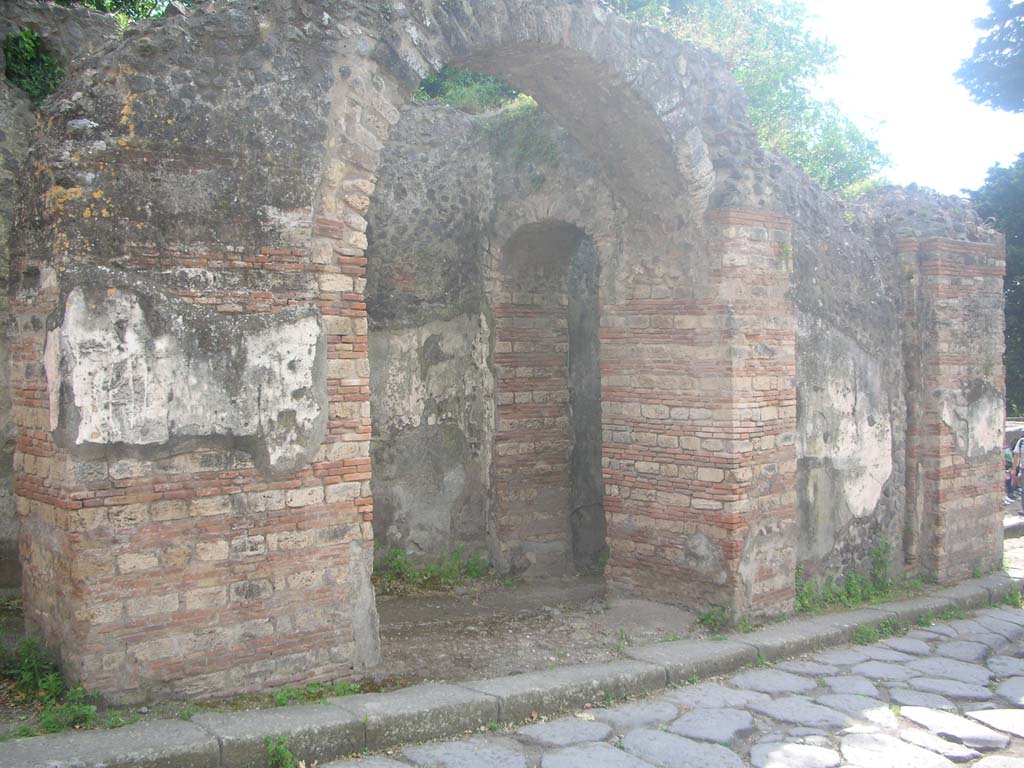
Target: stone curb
x=340, y=727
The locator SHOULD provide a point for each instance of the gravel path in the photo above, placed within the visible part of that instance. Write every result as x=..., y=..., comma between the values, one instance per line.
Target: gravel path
x=949, y=694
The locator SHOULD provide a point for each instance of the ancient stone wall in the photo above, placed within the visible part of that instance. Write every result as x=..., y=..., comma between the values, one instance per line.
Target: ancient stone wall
x=194, y=373
x=71, y=35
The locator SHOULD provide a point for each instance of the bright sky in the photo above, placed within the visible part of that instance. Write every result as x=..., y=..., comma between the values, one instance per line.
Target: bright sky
x=895, y=78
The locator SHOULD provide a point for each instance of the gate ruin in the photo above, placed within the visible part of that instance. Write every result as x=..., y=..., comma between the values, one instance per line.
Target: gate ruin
x=654, y=346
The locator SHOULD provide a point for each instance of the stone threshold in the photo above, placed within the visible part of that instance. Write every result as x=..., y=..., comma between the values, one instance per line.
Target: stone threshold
x=340, y=727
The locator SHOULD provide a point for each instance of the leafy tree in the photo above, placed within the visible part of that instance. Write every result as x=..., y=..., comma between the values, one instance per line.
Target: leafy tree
x=994, y=74
x=462, y=89
x=1001, y=197
x=775, y=58
x=29, y=65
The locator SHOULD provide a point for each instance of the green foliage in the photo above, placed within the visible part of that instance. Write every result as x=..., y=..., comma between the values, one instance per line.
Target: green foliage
x=856, y=589
x=775, y=59
x=713, y=619
x=1001, y=199
x=73, y=712
x=33, y=666
x=30, y=66
x=465, y=90
x=187, y=712
x=744, y=625
x=394, y=571
x=994, y=74
x=1013, y=599
x=278, y=754
x=926, y=619
x=952, y=613
x=865, y=634
x=760, y=660
x=314, y=692
x=892, y=628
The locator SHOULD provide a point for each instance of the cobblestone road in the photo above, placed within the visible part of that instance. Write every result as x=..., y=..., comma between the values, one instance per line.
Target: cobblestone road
x=951, y=693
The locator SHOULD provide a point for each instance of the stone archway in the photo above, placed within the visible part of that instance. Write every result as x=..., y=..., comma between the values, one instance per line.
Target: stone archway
x=209, y=530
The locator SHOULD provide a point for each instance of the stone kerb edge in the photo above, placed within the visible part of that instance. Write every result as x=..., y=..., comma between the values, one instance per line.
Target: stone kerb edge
x=341, y=727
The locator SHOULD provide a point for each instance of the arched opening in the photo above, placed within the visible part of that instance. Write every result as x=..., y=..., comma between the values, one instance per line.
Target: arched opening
x=547, y=469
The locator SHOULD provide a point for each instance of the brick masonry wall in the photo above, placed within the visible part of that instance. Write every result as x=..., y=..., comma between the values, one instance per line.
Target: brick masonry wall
x=699, y=420
x=954, y=304
x=532, y=436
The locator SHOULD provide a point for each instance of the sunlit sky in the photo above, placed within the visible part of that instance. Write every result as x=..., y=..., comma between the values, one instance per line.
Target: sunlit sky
x=895, y=78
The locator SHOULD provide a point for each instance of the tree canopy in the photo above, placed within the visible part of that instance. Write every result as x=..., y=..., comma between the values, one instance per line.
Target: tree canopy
x=994, y=74
x=775, y=58
x=1001, y=197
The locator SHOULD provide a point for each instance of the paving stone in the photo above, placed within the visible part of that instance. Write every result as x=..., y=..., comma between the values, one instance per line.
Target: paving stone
x=880, y=750
x=772, y=681
x=942, y=629
x=565, y=732
x=636, y=715
x=807, y=667
x=1010, y=615
x=912, y=698
x=801, y=711
x=1000, y=761
x=1005, y=666
x=1012, y=690
x=721, y=726
x=713, y=695
x=364, y=762
x=881, y=670
x=591, y=756
x=1007, y=629
x=860, y=708
x=1009, y=720
x=793, y=756
x=923, y=634
x=954, y=689
x=964, y=650
x=852, y=684
x=843, y=657
x=951, y=669
x=671, y=751
x=909, y=645
x=962, y=729
x=881, y=653
x=470, y=753
x=958, y=753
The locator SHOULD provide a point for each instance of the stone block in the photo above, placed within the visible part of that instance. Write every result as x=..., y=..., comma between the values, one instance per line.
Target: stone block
x=683, y=659
x=157, y=744
x=418, y=713
x=559, y=690
x=315, y=732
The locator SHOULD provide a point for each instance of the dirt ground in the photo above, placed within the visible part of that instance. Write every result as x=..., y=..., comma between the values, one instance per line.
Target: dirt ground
x=492, y=630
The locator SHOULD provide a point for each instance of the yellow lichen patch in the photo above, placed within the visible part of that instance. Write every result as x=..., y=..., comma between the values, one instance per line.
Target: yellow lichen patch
x=127, y=120
x=105, y=213
x=56, y=196
x=87, y=213
x=98, y=194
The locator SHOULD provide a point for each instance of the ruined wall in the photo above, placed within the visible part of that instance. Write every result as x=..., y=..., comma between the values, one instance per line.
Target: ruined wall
x=862, y=385
x=444, y=304
x=194, y=231
x=851, y=384
x=70, y=34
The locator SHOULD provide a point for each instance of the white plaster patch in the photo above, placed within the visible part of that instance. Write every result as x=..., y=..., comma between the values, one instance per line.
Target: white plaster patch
x=133, y=384
x=977, y=427
x=844, y=418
